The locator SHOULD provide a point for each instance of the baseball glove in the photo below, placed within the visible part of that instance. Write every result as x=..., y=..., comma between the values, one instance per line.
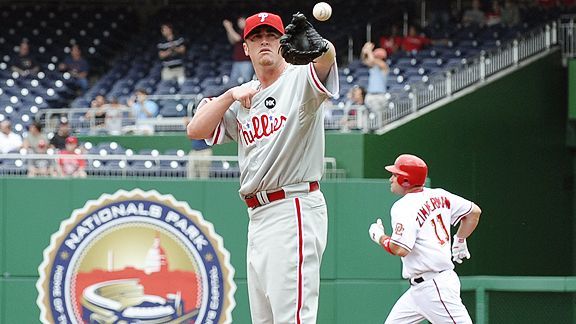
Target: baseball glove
x=301, y=43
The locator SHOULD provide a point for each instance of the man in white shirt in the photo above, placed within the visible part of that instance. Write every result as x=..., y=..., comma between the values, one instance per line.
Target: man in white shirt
x=9, y=141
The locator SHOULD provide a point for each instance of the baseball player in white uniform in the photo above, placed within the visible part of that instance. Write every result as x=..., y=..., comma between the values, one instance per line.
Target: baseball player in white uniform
x=277, y=121
x=421, y=222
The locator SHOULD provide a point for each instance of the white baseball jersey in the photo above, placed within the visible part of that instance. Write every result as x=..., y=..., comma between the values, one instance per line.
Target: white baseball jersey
x=281, y=137
x=281, y=145
x=421, y=224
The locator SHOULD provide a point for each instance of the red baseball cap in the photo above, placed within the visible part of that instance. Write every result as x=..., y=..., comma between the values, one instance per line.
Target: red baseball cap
x=263, y=18
x=71, y=139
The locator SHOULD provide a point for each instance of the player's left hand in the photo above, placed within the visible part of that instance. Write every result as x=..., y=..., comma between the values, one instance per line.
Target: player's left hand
x=376, y=231
x=459, y=250
x=301, y=43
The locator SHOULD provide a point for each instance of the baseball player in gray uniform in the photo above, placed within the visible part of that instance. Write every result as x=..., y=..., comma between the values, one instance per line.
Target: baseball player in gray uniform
x=277, y=121
x=421, y=222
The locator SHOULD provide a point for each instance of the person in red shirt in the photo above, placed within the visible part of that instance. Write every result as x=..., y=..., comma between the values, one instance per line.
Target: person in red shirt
x=413, y=41
x=391, y=42
x=70, y=162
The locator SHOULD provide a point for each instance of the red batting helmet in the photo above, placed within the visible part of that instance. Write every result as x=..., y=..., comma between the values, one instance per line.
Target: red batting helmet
x=410, y=170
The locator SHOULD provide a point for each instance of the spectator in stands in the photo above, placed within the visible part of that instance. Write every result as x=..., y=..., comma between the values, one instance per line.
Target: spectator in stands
x=58, y=141
x=35, y=135
x=354, y=107
x=97, y=113
x=473, y=16
x=494, y=15
x=414, y=41
x=9, y=141
x=70, y=162
x=172, y=52
x=41, y=166
x=24, y=64
x=392, y=41
x=114, y=117
x=242, y=70
x=199, y=168
x=143, y=109
x=378, y=76
x=78, y=68
x=510, y=13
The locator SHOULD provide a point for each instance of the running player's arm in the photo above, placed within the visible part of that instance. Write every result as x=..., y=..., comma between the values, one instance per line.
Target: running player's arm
x=394, y=248
x=209, y=115
x=469, y=222
x=324, y=63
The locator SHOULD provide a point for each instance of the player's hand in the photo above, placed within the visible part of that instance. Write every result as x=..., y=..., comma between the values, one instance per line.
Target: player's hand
x=368, y=46
x=376, y=231
x=243, y=95
x=459, y=250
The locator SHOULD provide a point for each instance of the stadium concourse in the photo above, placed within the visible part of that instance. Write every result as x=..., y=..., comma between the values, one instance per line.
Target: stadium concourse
x=119, y=42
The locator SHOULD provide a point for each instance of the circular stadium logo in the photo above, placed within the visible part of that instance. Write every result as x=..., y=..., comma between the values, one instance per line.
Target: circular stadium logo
x=136, y=257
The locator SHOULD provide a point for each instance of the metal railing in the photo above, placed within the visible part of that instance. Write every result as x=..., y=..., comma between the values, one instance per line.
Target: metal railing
x=472, y=71
x=88, y=125
x=484, y=286
x=127, y=165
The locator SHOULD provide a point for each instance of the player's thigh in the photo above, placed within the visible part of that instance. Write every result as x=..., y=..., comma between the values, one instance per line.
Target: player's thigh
x=441, y=302
x=314, y=219
x=404, y=311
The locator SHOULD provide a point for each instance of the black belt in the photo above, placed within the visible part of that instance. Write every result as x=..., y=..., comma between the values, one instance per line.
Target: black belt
x=417, y=280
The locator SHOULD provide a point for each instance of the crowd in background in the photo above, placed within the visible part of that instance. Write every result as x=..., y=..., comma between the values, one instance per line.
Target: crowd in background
x=57, y=155
x=441, y=15
x=107, y=115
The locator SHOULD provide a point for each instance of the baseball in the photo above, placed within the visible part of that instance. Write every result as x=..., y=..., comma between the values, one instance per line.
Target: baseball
x=322, y=11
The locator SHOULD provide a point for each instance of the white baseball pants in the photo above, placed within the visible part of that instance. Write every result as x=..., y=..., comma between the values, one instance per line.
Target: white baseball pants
x=436, y=300
x=286, y=240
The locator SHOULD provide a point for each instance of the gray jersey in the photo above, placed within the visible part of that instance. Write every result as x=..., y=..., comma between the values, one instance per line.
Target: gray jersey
x=281, y=137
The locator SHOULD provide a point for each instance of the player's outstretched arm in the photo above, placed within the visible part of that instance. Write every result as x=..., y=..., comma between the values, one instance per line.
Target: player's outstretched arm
x=323, y=63
x=301, y=44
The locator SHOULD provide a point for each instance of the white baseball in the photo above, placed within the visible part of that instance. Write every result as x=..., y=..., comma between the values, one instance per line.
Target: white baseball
x=322, y=11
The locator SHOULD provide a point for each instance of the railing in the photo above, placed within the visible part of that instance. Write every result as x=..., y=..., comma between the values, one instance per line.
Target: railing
x=484, y=286
x=566, y=34
x=126, y=165
x=87, y=125
x=473, y=71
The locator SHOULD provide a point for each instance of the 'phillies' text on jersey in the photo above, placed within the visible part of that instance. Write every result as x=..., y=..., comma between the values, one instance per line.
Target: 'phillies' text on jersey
x=431, y=205
x=260, y=126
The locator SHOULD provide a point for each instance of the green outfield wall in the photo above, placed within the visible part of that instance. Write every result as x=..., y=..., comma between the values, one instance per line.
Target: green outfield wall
x=356, y=274
x=360, y=282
